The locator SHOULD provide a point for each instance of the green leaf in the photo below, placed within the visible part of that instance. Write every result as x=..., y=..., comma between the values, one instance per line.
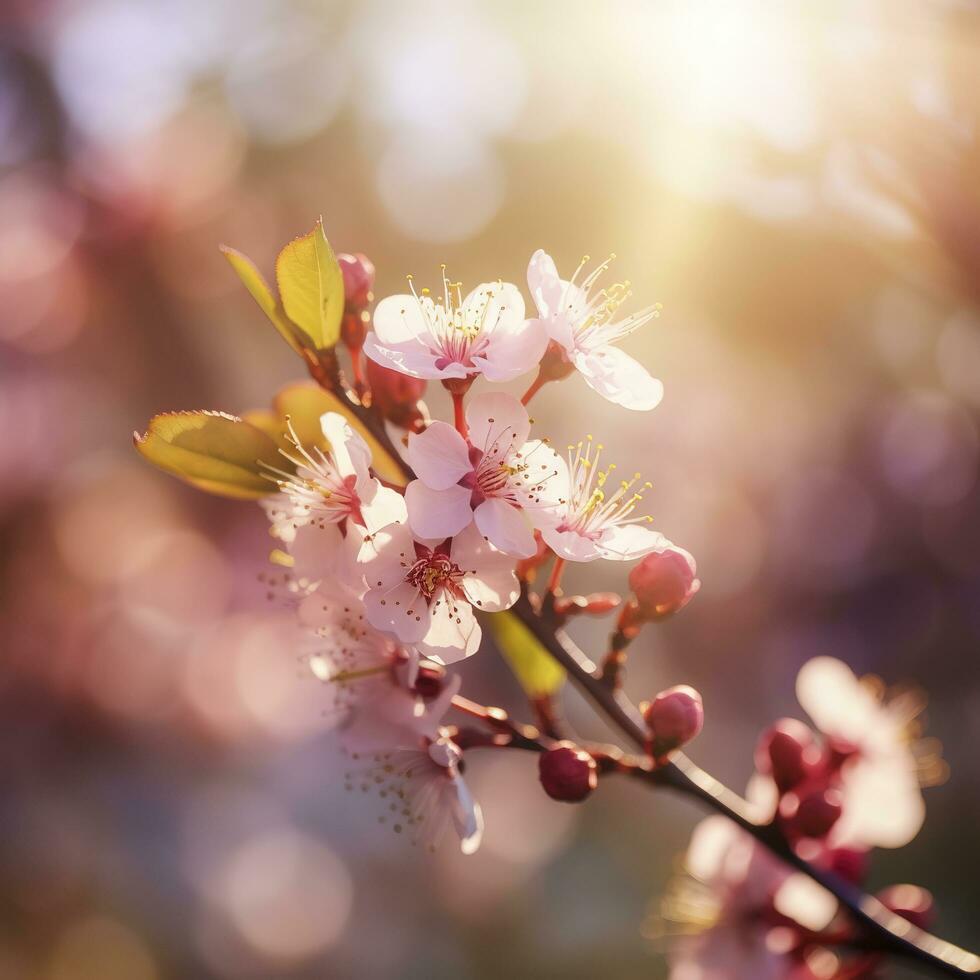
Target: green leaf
x=304, y=402
x=311, y=286
x=533, y=666
x=212, y=451
x=262, y=294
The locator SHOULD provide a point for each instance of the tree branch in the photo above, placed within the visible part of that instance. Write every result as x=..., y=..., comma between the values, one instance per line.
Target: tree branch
x=882, y=929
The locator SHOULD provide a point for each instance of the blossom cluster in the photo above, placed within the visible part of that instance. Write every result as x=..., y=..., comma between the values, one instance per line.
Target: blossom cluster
x=835, y=794
x=390, y=580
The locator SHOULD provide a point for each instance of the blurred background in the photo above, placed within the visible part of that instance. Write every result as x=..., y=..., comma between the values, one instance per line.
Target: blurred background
x=797, y=184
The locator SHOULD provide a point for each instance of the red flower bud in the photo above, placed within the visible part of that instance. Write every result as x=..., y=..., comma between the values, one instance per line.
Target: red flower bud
x=663, y=583
x=394, y=394
x=568, y=773
x=910, y=902
x=430, y=681
x=814, y=814
x=851, y=863
x=788, y=751
x=674, y=717
x=358, y=273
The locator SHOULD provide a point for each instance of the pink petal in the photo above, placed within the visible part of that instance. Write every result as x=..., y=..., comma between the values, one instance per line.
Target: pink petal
x=381, y=506
x=350, y=451
x=410, y=358
x=629, y=541
x=439, y=456
x=437, y=514
x=453, y=632
x=399, y=318
x=489, y=579
x=495, y=305
x=619, y=378
x=570, y=544
x=512, y=351
x=506, y=527
x=467, y=818
x=496, y=417
x=544, y=283
x=400, y=610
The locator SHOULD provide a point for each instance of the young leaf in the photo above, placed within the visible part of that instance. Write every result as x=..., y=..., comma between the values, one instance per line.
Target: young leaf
x=532, y=665
x=256, y=285
x=312, y=287
x=304, y=403
x=214, y=452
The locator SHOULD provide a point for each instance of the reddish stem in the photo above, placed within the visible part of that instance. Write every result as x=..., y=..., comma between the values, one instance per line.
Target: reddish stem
x=554, y=581
x=459, y=414
x=536, y=385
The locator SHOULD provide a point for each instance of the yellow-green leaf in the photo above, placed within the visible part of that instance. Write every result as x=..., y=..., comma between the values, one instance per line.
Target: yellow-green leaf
x=311, y=286
x=262, y=294
x=304, y=403
x=212, y=451
x=532, y=665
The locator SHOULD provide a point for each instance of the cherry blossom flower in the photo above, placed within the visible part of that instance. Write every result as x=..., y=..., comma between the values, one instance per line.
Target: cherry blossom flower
x=496, y=477
x=371, y=678
x=883, y=805
x=580, y=319
x=590, y=522
x=425, y=793
x=456, y=337
x=733, y=907
x=423, y=592
x=333, y=493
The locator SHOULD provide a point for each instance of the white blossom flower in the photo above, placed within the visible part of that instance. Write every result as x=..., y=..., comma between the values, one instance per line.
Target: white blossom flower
x=456, y=337
x=880, y=776
x=590, y=520
x=495, y=477
x=423, y=592
x=424, y=793
x=738, y=895
x=328, y=507
x=581, y=319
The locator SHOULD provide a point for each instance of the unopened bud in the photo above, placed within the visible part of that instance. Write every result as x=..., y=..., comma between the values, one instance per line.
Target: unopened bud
x=787, y=751
x=395, y=395
x=568, y=773
x=429, y=681
x=674, y=717
x=358, y=273
x=663, y=583
x=911, y=902
x=813, y=814
x=851, y=863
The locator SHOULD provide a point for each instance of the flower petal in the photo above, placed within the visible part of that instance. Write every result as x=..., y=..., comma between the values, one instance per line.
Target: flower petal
x=570, y=544
x=628, y=541
x=349, y=450
x=488, y=574
x=439, y=456
x=494, y=306
x=409, y=358
x=512, y=351
x=399, y=318
x=505, y=527
x=437, y=514
x=497, y=419
x=453, y=632
x=619, y=378
x=381, y=506
x=544, y=283
x=400, y=610
x=467, y=817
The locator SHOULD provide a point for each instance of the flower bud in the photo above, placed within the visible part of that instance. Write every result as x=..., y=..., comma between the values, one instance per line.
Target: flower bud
x=788, y=751
x=674, y=717
x=910, y=902
x=851, y=863
x=815, y=813
x=663, y=583
x=358, y=273
x=429, y=681
x=394, y=394
x=567, y=773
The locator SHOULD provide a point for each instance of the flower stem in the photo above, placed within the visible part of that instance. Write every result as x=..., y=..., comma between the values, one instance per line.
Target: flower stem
x=536, y=385
x=881, y=928
x=554, y=582
x=459, y=414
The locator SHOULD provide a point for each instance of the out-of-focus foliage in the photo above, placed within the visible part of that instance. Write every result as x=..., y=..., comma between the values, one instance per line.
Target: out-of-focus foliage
x=532, y=665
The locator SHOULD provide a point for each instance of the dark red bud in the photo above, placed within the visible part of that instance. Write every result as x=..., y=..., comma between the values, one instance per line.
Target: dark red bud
x=429, y=681
x=815, y=813
x=910, y=902
x=851, y=863
x=663, y=583
x=395, y=395
x=787, y=751
x=674, y=717
x=568, y=773
x=358, y=273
